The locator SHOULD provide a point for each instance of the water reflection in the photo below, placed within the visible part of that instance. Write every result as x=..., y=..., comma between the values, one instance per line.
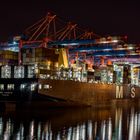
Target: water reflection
x=85, y=124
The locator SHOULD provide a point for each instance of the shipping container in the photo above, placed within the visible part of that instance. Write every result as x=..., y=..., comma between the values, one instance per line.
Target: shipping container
x=39, y=56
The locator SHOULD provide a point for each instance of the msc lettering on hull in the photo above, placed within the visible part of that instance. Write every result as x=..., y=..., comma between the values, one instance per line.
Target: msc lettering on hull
x=133, y=92
x=119, y=92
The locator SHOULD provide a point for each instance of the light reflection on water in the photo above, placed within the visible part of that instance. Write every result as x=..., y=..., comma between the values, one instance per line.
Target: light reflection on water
x=71, y=124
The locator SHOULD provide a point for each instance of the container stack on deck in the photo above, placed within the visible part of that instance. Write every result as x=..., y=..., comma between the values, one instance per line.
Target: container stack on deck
x=40, y=56
x=8, y=57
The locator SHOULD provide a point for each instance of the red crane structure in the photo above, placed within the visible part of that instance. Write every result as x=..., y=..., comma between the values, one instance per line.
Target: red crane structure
x=52, y=31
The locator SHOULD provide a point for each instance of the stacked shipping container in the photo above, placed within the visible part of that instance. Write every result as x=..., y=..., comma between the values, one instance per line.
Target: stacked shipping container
x=41, y=56
x=8, y=57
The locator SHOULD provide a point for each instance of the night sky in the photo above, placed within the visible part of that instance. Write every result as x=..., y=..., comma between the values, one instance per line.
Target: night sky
x=117, y=18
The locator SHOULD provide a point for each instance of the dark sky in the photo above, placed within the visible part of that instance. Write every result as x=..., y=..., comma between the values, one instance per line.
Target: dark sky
x=110, y=17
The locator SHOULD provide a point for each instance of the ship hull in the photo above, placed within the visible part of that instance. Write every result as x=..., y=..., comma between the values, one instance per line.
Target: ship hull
x=90, y=94
x=54, y=93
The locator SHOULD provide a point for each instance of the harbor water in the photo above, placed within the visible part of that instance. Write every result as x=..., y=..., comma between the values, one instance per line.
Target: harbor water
x=112, y=123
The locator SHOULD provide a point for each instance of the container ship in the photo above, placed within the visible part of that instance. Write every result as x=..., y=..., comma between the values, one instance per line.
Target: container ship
x=46, y=76
x=52, y=65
